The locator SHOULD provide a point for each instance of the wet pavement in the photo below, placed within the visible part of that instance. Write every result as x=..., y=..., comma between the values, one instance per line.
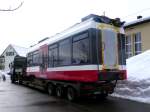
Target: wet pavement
x=16, y=98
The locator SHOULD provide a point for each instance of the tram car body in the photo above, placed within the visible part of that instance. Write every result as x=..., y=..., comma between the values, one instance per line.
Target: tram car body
x=87, y=58
x=91, y=51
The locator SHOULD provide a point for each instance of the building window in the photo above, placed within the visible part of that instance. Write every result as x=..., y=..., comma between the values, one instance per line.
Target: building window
x=121, y=49
x=128, y=45
x=137, y=43
x=2, y=60
x=65, y=52
x=53, y=56
x=81, y=49
x=9, y=53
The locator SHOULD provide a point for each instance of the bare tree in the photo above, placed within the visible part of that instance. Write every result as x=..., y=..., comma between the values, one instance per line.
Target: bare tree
x=13, y=9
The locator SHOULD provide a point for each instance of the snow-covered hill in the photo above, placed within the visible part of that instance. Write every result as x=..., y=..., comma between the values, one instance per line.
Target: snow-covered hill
x=137, y=85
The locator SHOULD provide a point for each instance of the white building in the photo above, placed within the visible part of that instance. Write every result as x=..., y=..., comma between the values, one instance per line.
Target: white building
x=8, y=55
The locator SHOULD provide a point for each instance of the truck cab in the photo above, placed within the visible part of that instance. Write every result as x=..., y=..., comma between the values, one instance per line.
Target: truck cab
x=18, y=69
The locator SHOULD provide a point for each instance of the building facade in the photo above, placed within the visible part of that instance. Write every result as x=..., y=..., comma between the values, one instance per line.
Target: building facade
x=2, y=62
x=8, y=55
x=137, y=36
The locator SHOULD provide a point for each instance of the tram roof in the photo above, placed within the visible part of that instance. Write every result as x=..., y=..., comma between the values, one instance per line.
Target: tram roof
x=90, y=21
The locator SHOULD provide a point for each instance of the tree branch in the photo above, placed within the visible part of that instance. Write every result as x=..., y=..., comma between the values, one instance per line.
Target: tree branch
x=12, y=9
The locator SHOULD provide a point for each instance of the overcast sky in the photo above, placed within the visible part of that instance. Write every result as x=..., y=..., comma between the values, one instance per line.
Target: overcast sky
x=37, y=19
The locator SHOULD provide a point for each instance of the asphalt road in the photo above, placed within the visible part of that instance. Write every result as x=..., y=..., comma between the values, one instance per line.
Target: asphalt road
x=16, y=98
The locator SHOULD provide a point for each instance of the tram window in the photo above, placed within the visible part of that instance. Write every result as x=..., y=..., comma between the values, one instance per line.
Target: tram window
x=53, y=56
x=29, y=60
x=35, y=58
x=65, y=52
x=81, y=50
x=82, y=36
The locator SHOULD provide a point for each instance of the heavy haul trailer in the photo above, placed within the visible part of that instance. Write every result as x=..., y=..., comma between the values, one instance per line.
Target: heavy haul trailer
x=86, y=59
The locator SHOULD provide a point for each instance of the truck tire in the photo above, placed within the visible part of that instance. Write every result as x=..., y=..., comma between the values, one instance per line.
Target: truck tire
x=12, y=81
x=71, y=94
x=20, y=81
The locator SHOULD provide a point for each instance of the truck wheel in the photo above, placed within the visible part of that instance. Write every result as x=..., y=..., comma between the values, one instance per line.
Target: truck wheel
x=71, y=94
x=12, y=81
x=59, y=91
x=20, y=81
x=50, y=89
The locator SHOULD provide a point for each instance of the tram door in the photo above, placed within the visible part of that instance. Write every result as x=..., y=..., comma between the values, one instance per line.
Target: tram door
x=110, y=52
x=43, y=60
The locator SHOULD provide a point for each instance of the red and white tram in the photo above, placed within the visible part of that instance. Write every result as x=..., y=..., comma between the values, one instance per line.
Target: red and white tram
x=87, y=58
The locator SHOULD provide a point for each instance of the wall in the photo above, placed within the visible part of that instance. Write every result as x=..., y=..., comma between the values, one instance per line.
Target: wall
x=8, y=59
x=2, y=63
x=145, y=34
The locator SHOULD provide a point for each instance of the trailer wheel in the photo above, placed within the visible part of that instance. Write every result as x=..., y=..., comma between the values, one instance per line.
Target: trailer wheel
x=59, y=91
x=71, y=94
x=50, y=89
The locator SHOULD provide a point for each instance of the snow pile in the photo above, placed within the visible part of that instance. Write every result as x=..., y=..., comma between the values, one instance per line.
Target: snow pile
x=139, y=66
x=5, y=74
x=137, y=85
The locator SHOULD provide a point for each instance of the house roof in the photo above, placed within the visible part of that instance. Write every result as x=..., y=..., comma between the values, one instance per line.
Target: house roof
x=137, y=22
x=21, y=51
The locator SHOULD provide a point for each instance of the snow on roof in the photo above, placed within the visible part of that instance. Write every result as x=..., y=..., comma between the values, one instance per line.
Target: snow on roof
x=20, y=50
x=136, y=22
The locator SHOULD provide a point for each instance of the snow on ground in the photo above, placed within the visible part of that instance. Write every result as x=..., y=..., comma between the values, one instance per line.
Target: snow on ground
x=137, y=85
x=6, y=75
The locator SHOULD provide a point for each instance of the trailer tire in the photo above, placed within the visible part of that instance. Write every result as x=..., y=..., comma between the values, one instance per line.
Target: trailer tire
x=59, y=91
x=50, y=89
x=71, y=94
